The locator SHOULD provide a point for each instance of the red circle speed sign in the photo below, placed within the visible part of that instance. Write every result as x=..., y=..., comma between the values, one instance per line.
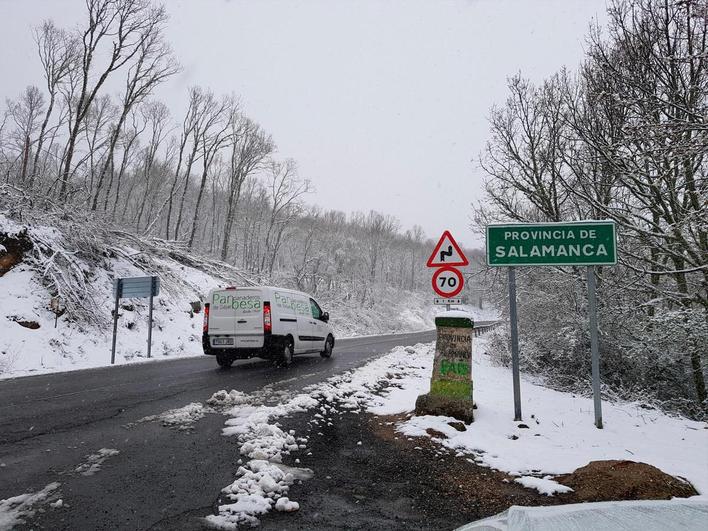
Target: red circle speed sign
x=448, y=281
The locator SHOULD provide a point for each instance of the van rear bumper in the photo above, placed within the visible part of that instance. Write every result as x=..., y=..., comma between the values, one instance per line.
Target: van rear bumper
x=271, y=347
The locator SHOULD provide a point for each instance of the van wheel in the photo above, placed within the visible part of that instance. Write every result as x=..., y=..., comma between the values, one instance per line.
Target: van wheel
x=286, y=354
x=224, y=361
x=329, y=345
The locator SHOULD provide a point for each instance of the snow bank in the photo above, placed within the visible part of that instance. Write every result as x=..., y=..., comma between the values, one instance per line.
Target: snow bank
x=14, y=511
x=558, y=434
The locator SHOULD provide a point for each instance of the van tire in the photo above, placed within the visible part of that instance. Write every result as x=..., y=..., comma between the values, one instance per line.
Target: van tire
x=329, y=345
x=224, y=361
x=285, y=357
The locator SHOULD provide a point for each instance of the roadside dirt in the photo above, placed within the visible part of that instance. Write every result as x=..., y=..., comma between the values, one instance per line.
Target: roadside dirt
x=624, y=480
x=390, y=481
x=368, y=476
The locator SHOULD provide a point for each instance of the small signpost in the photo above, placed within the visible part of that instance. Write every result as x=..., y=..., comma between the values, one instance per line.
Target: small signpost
x=447, y=280
x=578, y=243
x=135, y=287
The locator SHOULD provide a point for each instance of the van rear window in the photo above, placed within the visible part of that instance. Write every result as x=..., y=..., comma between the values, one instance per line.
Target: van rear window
x=235, y=302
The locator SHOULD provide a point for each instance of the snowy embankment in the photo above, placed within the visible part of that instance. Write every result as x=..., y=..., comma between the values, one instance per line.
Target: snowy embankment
x=557, y=435
x=560, y=436
x=85, y=262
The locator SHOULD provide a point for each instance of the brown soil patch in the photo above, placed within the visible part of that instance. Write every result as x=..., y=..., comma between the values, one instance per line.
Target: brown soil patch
x=485, y=490
x=624, y=480
x=32, y=325
x=492, y=491
x=15, y=248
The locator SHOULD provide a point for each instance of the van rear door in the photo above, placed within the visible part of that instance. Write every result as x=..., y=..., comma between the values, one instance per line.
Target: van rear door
x=236, y=313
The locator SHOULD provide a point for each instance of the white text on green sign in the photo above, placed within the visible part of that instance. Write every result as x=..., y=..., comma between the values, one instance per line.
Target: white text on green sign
x=539, y=244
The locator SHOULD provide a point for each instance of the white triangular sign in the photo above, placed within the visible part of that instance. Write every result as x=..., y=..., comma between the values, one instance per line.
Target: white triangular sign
x=447, y=253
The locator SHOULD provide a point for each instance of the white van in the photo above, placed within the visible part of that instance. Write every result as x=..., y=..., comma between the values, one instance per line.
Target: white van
x=265, y=322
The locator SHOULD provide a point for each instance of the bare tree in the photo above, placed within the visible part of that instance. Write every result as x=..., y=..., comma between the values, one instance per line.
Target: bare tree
x=154, y=64
x=128, y=25
x=191, y=129
x=285, y=190
x=58, y=53
x=156, y=115
x=249, y=148
x=214, y=136
x=25, y=114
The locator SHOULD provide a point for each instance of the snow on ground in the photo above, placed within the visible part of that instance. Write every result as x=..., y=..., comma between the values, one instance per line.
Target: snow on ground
x=544, y=485
x=76, y=345
x=182, y=418
x=14, y=511
x=561, y=435
x=94, y=462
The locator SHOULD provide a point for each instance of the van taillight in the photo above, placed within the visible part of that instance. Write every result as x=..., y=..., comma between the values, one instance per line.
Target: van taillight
x=267, y=322
x=206, y=317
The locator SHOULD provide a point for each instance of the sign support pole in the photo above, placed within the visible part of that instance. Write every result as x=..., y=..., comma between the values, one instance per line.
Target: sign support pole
x=594, y=347
x=152, y=294
x=119, y=292
x=514, y=344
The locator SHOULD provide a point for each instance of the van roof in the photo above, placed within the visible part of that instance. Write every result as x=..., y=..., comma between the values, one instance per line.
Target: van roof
x=262, y=288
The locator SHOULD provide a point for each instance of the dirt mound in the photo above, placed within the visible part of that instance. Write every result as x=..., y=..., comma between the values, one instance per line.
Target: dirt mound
x=624, y=480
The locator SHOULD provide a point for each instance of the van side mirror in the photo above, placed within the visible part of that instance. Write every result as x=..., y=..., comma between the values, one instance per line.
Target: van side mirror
x=325, y=317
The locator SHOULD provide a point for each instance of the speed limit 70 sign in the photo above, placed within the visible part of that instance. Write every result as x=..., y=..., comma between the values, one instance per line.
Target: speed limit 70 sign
x=448, y=281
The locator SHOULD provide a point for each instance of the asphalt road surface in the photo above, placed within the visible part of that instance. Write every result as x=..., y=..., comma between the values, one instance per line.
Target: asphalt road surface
x=49, y=424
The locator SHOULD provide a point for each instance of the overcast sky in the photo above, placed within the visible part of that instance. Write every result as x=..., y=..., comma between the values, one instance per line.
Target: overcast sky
x=383, y=105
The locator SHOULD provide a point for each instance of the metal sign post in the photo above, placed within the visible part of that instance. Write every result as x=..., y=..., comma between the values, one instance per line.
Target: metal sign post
x=594, y=347
x=118, y=291
x=514, y=344
x=152, y=294
x=579, y=243
x=136, y=287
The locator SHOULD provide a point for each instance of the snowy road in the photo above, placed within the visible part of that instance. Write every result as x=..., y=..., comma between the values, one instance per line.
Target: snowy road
x=79, y=429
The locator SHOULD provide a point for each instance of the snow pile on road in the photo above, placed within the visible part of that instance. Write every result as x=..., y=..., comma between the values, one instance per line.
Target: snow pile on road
x=260, y=486
x=182, y=418
x=263, y=482
x=14, y=511
x=95, y=461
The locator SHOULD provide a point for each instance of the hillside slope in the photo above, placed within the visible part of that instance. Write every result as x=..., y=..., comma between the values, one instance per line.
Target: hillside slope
x=56, y=298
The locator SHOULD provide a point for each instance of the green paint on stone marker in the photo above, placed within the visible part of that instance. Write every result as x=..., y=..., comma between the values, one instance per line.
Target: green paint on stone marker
x=451, y=388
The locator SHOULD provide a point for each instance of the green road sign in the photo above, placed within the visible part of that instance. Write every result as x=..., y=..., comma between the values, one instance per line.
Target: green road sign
x=578, y=243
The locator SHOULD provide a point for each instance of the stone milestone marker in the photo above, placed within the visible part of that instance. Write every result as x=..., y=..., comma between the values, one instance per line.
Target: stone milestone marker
x=451, y=383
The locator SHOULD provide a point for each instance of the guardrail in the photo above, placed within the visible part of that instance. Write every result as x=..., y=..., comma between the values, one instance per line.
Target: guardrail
x=481, y=327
